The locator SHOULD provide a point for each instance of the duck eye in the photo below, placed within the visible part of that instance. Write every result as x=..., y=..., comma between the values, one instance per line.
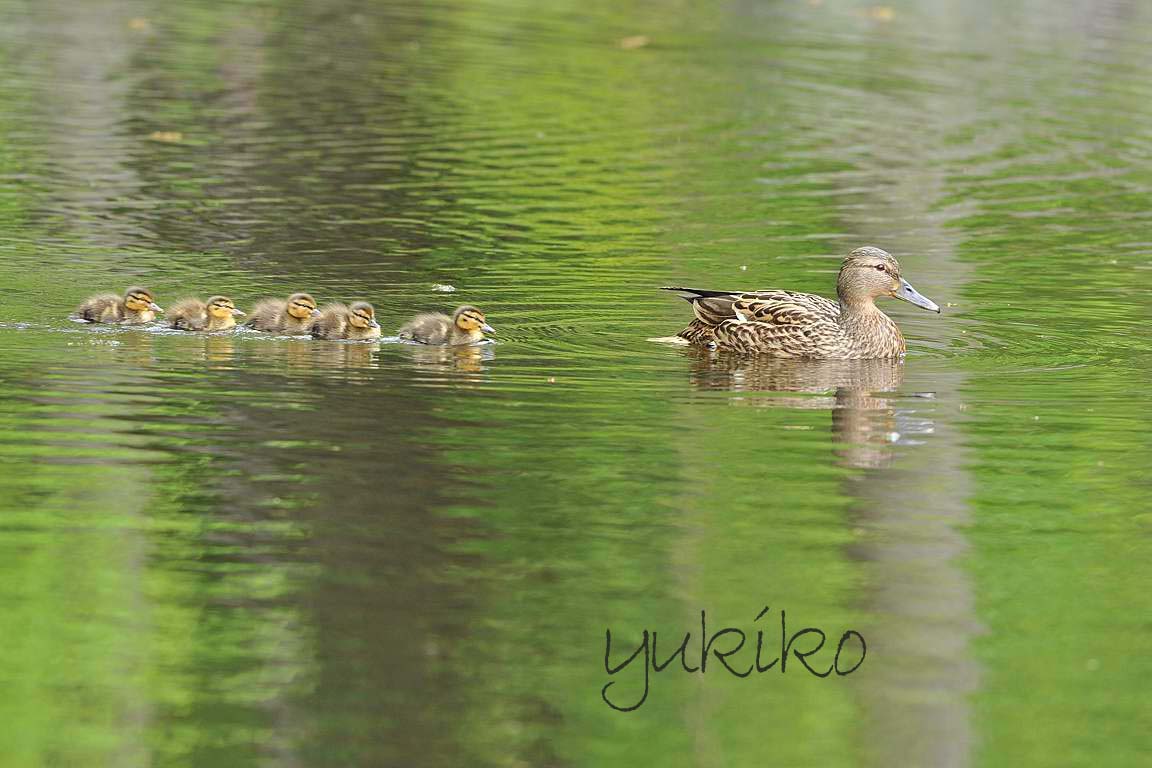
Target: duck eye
x=880, y=267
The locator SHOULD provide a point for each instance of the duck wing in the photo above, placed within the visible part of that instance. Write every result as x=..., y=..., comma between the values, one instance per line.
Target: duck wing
x=785, y=323
x=785, y=308
x=766, y=306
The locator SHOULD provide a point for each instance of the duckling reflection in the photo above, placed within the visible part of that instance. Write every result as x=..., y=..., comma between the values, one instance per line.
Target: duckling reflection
x=864, y=421
x=460, y=358
x=136, y=349
x=350, y=357
x=219, y=349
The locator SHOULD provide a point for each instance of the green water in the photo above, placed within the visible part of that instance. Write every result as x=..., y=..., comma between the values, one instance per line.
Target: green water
x=242, y=551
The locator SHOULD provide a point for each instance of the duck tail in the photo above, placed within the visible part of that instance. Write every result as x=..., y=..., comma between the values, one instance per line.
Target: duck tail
x=694, y=294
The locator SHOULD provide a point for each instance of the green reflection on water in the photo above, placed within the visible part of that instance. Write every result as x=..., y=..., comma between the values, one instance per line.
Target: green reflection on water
x=242, y=550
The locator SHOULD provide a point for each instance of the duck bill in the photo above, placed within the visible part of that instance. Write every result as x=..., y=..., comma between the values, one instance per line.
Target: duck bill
x=155, y=307
x=315, y=313
x=374, y=324
x=912, y=296
x=487, y=328
x=238, y=313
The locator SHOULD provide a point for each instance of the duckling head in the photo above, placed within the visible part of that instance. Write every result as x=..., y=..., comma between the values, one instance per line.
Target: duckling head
x=221, y=307
x=140, y=300
x=302, y=306
x=470, y=319
x=869, y=273
x=362, y=315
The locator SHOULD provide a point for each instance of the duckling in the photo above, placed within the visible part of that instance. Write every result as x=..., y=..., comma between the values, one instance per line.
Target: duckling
x=292, y=316
x=217, y=314
x=804, y=325
x=466, y=326
x=340, y=321
x=135, y=307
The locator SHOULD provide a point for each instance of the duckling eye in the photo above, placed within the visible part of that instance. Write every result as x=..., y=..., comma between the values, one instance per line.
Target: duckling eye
x=880, y=267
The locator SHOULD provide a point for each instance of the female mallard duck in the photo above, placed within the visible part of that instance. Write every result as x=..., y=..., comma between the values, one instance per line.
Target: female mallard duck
x=217, y=314
x=292, y=316
x=341, y=321
x=136, y=306
x=789, y=324
x=466, y=326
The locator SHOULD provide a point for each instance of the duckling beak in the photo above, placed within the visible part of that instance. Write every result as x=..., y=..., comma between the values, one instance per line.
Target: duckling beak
x=487, y=328
x=912, y=296
x=237, y=312
x=155, y=307
x=315, y=312
x=373, y=324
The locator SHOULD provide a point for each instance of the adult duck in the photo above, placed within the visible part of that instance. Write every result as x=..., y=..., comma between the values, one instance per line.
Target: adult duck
x=804, y=325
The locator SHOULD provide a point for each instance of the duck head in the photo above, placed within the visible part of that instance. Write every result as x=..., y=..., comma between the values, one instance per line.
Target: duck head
x=302, y=306
x=222, y=308
x=140, y=300
x=469, y=319
x=362, y=315
x=870, y=273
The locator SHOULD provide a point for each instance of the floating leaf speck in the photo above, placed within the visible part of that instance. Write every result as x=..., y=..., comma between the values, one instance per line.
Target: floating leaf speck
x=167, y=137
x=444, y=288
x=632, y=42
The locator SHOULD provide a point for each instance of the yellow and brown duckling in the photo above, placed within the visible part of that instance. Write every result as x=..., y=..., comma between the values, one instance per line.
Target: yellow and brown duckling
x=135, y=307
x=466, y=326
x=342, y=321
x=804, y=325
x=292, y=316
x=216, y=314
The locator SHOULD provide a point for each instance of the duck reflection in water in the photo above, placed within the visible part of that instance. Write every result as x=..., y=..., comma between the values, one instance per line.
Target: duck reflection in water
x=466, y=358
x=346, y=355
x=859, y=393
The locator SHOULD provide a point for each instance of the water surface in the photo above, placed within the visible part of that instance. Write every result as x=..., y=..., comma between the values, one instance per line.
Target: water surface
x=236, y=550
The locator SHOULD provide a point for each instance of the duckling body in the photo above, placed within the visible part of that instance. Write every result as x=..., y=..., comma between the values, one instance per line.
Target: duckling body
x=292, y=316
x=216, y=314
x=341, y=321
x=135, y=307
x=804, y=325
x=466, y=326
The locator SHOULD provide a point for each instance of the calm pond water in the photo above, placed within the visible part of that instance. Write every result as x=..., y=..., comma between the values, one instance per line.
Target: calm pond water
x=242, y=551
